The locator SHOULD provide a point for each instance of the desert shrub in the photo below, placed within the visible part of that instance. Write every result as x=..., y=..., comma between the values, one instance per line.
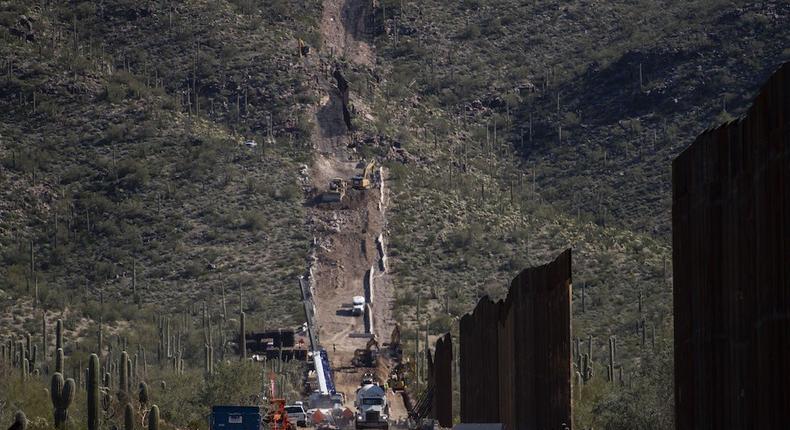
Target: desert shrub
x=253, y=220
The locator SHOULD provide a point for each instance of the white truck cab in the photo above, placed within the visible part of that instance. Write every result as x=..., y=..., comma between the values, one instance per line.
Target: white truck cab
x=359, y=306
x=372, y=407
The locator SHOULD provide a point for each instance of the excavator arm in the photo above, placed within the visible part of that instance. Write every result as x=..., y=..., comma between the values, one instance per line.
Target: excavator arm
x=365, y=180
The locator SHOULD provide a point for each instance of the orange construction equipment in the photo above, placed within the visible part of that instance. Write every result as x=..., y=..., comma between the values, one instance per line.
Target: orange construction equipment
x=278, y=417
x=318, y=417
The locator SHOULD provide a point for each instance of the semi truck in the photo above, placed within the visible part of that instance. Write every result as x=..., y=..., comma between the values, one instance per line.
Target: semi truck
x=371, y=404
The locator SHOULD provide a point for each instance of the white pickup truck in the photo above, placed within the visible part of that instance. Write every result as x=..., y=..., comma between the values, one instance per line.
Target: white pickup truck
x=358, y=308
x=297, y=414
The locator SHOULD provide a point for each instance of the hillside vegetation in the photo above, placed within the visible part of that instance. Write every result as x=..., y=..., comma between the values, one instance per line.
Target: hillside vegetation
x=124, y=198
x=110, y=162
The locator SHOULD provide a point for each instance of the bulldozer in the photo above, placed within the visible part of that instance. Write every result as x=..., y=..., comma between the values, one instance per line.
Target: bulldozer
x=366, y=357
x=336, y=191
x=365, y=180
x=400, y=374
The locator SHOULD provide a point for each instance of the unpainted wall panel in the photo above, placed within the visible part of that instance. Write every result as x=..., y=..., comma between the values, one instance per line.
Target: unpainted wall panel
x=515, y=356
x=731, y=235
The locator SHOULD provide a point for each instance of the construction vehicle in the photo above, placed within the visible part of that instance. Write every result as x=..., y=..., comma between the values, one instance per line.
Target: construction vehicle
x=325, y=404
x=366, y=357
x=372, y=406
x=297, y=413
x=365, y=180
x=336, y=191
x=278, y=416
x=398, y=376
x=358, y=308
x=303, y=49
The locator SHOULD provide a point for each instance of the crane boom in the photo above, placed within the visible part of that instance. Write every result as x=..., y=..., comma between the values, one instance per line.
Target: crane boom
x=323, y=370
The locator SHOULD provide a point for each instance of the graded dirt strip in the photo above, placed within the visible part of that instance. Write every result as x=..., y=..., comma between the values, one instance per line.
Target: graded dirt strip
x=346, y=240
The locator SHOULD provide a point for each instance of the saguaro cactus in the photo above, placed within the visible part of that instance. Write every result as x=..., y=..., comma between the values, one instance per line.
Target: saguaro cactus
x=242, y=337
x=153, y=418
x=92, y=385
x=59, y=335
x=145, y=363
x=28, y=344
x=612, y=348
x=100, y=339
x=62, y=394
x=584, y=296
x=123, y=376
x=20, y=346
x=129, y=374
x=59, y=361
x=143, y=394
x=128, y=417
x=206, y=360
x=44, y=343
x=20, y=421
x=587, y=371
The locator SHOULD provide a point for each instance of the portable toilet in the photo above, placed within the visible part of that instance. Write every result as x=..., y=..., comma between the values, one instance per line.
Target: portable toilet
x=235, y=418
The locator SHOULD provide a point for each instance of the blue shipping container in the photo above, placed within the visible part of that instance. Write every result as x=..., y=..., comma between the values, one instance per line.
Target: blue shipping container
x=235, y=418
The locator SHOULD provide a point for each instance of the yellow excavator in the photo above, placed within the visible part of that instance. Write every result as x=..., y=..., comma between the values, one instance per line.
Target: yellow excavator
x=366, y=357
x=303, y=49
x=365, y=180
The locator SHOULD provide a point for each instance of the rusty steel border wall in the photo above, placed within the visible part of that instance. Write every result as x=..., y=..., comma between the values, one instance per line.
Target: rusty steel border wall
x=731, y=256
x=515, y=354
x=436, y=400
x=443, y=381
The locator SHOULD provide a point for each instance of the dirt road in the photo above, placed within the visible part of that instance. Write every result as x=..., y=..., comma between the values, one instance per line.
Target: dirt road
x=345, y=243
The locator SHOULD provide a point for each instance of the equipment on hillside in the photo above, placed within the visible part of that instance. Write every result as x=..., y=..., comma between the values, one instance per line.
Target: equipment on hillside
x=366, y=357
x=365, y=180
x=336, y=191
x=303, y=50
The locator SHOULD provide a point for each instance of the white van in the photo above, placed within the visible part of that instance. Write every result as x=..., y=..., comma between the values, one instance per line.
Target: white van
x=359, y=306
